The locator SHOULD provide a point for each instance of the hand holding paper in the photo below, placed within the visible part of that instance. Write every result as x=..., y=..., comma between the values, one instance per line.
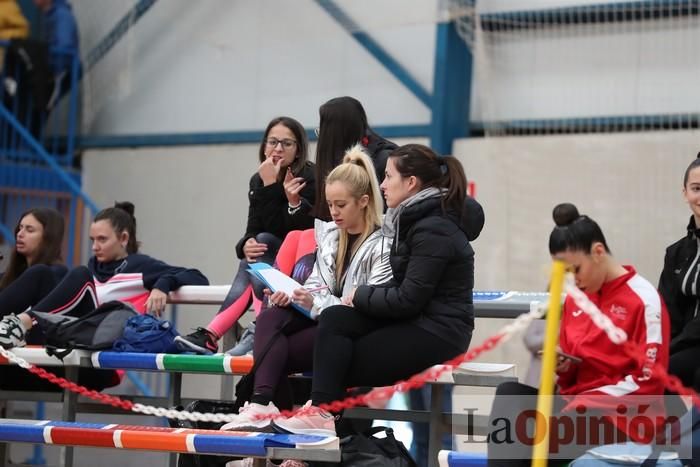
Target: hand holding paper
x=279, y=282
x=303, y=298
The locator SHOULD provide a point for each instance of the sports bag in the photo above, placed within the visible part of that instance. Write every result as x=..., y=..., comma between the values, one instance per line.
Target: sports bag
x=366, y=450
x=147, y=334
x=97, y=330
x=204, y=406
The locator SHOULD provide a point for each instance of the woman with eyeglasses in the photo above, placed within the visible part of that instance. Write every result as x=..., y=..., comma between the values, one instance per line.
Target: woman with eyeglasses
x=280, y=196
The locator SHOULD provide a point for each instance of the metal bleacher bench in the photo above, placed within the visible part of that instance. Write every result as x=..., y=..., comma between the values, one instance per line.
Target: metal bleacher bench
x=487, y=305
x=173, y=440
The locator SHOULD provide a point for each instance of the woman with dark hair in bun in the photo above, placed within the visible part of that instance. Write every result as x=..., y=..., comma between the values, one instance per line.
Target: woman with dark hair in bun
x=593, y=372
x=115, y=272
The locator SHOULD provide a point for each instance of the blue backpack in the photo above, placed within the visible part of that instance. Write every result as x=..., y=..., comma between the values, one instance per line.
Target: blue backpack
x=147, y=334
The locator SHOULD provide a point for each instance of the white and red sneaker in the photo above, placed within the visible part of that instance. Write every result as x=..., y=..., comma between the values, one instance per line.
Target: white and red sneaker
x=248, y=418
x=313, y=421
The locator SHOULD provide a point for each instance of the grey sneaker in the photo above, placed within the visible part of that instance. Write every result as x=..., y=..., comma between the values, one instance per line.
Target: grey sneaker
x=12, y=332
x=245, y=345
x=201, y=342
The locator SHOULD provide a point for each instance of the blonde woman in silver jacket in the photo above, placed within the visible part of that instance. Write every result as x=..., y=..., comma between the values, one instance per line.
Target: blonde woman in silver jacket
x=352, y=250
x=368, y=266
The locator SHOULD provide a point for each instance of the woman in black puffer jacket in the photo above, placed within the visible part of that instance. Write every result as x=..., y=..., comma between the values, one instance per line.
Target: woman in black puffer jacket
x=422, y=317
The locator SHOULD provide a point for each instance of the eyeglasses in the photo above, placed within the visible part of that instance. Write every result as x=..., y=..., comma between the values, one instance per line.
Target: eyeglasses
x=286, y=143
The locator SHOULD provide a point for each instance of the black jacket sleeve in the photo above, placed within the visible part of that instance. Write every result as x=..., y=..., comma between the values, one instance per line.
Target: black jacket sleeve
x=268, y=209
x=669, y=293
x=166, y=278
x=431, y=251
x=255, y=222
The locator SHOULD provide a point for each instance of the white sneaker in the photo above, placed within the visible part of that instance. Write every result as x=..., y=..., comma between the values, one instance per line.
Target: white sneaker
x=12, y=332
x=247, y=418
x=314, y=421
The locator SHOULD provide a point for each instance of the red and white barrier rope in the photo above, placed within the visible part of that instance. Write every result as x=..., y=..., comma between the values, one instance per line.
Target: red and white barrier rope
x=615, y=334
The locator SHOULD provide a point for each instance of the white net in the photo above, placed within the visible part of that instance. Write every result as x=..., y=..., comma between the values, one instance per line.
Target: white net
x=100, y=33
x=547, y=66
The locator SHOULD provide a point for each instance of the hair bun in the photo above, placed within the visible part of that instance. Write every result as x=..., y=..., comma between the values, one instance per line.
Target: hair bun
x=355, y=155
x=564, y=214
x=127, y=206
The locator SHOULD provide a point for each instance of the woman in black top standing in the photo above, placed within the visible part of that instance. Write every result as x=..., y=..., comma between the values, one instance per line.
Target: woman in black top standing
x=342, y=125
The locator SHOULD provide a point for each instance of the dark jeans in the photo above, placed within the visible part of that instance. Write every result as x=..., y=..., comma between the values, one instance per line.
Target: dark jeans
x=353, y=349
x=419, y=399
x=242, y=278
x=238, y=298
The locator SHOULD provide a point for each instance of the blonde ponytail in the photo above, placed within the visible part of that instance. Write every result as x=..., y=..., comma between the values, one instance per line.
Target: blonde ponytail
x=358, y=174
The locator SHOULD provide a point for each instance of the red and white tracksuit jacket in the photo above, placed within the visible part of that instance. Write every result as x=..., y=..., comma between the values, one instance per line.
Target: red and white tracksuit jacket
x=635, y=306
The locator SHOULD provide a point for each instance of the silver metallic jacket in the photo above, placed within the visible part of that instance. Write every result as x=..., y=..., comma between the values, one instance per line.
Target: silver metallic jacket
x=369, y=266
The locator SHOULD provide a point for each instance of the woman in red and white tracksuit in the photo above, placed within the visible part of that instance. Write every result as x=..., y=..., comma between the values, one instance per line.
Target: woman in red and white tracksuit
x=598, y=380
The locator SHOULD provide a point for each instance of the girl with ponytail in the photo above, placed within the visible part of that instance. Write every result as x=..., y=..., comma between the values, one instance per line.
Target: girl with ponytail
x=352, y=251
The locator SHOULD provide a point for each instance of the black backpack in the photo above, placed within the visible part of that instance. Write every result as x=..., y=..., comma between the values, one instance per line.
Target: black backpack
x=97, y=330
x=204, y=406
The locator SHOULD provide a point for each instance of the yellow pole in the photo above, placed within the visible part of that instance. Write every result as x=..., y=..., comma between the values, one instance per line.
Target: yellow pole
x=549, y=359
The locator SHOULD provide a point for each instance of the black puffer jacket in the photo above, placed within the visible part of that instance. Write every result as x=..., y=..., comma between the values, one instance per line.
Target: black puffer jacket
x=433, y=267
x=680, y=288
x=268, y=208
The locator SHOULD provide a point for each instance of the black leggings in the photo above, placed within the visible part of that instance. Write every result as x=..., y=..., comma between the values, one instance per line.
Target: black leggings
x=28, y=289
x=355, y=350
x=686, y=365
x=291, y=352
x=75, y=295
x=35, y=283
